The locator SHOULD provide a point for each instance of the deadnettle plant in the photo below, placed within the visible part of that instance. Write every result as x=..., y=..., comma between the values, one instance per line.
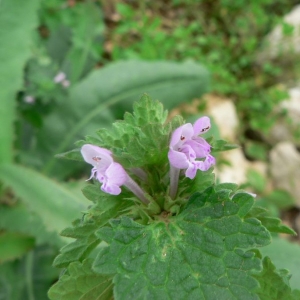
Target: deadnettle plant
x=179, y=235
x=188, y=150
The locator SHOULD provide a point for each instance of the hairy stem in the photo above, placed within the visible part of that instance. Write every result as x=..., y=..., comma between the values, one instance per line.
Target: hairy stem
x=174, y=176
x=136, y=189
x=139, y=173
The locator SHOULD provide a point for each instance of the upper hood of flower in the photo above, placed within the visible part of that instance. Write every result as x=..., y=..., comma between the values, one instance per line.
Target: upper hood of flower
x=98, y=157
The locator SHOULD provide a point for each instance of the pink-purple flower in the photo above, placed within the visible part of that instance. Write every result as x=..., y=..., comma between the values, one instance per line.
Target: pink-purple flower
x=110, y=173
x=105, y=170
x=188, y=150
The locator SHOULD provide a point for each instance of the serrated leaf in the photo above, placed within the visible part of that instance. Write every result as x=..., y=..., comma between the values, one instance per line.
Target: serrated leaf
x=146, y=111
x=91, y=101
x=18, y=218
x=271, y=223
x=195, y=255
x=136, y=142
x=81, y=283
x=285, y=254
x=274, y=284
x=83, y=230
x=275, y=225
x=17, y=22
x=56, y=205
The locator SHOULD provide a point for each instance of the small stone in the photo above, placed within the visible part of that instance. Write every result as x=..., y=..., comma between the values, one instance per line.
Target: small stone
x=284, y=128
x=236, y=170
x=285, y=169
x=223, y=112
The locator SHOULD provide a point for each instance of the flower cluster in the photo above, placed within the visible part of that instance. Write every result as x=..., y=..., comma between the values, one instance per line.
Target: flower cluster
x=187, y=146
x=187, y=151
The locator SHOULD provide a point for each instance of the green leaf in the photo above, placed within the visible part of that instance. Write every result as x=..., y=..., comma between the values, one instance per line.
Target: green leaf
x=28, y=278
x=83, y=231
x=195, y=255
x=285, y=254
x=17, y=22
x=14, y=245
x=72, y=41
x=273, y=224
x=72, y=155
x=221, y=145
x=81, y=283
x=18, y=218
x=120, y=84
x=142, y=138
x=274, y=284
x=56, y=205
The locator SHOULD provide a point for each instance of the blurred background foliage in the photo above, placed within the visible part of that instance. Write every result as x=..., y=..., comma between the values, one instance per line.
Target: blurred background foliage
x=71, y=67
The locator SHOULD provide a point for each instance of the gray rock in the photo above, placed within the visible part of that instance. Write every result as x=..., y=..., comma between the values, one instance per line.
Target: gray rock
x=224, y=114
x=285, y=169
x=283, y=130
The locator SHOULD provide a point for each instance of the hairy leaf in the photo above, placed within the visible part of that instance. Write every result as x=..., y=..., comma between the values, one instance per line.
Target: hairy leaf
x=81, y=283
x=271, y=223
x=274, y=284
x=138, y=143
x=285, y=254
x=83, y=231
x=195, y=255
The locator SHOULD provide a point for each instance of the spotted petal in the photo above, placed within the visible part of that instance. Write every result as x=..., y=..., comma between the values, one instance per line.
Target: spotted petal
x=181, y=134
x=98, y=157
x=201, y=126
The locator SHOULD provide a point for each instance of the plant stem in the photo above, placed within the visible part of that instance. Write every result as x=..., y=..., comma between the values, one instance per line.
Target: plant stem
x=174, y=176
x=140, y=173
x=136, y=189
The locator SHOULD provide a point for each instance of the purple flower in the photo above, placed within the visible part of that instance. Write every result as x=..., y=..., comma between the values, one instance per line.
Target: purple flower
x=187, y=146
x=109, y=173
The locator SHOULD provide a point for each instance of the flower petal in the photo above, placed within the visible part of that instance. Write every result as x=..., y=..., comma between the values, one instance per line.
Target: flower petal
x=207, y=163
x=181, y=134
x=188, y=151
x=116, y=175
x=178, y=159
x=96, y=156
x=191, y=171
x=200, y=147
x=112, y=189
x=201, y=126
